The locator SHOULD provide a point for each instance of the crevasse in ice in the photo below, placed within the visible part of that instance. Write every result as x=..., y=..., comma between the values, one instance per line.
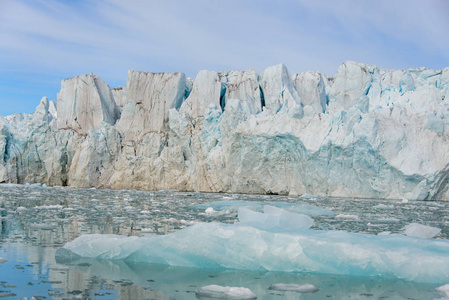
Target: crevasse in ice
x=287, y=245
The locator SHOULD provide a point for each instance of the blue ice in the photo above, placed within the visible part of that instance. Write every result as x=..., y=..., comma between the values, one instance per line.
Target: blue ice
x=286, y=245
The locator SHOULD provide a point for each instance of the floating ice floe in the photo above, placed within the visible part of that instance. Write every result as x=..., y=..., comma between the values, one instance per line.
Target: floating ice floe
x=274, y=217
x=421, y=231
x=300, y=208
x=444, y=291
x=288, y=246
x=172, y=220
x=292, y=287
x=225, y=292
x=211, y=212
x=2, y=260
x=383, y=206
x=49, y=207
x=347, y=217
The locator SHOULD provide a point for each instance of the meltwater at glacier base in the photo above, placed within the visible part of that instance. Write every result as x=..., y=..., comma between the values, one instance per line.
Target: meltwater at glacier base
x=275, y=240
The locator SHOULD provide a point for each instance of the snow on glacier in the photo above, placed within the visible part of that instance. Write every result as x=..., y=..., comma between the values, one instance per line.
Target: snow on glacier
x=286, y=247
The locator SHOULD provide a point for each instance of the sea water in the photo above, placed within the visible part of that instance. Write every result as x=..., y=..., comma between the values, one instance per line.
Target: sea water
x=36, y=221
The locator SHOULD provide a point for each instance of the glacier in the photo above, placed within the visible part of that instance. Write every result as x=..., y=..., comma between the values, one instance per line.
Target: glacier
x=366, y=132
x=288, y=245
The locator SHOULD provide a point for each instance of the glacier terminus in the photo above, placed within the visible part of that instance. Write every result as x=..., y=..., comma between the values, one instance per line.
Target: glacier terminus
x=367, y=132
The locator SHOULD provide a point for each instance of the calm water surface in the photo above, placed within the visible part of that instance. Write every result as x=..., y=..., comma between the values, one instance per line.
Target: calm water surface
x=36, y=221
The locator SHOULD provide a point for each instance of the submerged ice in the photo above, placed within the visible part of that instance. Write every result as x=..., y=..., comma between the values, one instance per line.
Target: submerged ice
x=288, y=245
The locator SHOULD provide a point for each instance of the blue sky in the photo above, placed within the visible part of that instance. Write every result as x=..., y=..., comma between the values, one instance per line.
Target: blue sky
x=45, y=41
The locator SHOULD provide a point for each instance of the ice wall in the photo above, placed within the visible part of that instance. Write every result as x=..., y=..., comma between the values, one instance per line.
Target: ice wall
x=367, y=132
x=85, y=101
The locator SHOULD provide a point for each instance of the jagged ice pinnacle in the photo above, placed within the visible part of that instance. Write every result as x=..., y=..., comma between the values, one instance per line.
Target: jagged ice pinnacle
x=367, y=132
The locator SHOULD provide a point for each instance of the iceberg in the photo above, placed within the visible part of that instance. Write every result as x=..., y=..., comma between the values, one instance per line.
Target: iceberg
x=286, y=247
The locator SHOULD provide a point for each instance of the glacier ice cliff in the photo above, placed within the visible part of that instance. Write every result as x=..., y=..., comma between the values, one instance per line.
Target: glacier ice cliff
x=367, y=132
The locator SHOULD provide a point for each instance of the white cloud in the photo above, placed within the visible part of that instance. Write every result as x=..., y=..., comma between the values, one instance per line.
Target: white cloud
x=108, y=37
x=420, y=23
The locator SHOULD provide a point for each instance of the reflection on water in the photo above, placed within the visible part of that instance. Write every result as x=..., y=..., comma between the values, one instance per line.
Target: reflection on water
x=36, y=221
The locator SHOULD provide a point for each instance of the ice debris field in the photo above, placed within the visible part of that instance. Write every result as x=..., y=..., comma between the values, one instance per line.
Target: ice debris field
x=277, y=240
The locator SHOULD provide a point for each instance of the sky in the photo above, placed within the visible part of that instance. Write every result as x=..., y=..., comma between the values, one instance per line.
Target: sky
x=45, y=41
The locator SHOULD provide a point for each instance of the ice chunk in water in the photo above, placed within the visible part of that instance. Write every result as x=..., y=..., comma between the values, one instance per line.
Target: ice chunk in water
x=249, y=246
x=292, y=287
x=274, y=217
x=209, y=210
x=103, y=246
x=444, y=291
x=2, y=260
x=421, y=231
x=300, y=208
x=49, y=207
x=225, y=292
x=347, y=217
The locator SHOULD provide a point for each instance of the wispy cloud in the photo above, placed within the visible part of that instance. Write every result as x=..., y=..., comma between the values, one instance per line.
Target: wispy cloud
x=57, y=39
